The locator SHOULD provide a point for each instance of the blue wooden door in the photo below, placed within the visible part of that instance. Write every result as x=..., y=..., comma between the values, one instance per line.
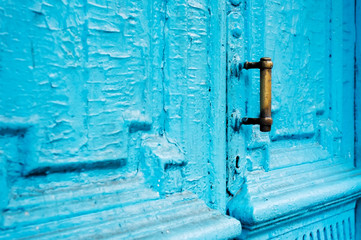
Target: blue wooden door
x=274, y=176
x=106, y=107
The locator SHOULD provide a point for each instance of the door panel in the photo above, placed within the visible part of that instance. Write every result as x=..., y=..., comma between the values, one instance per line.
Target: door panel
x=299, y=179
x=93, y=76
x=312, y=83
x=80, y=75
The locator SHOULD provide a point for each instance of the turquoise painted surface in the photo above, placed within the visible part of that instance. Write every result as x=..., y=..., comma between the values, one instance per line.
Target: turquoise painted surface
x=119, y=87
x=274, y=177
x=312, y=100
x=82, y=81
x=358, y=109
x=358, y=84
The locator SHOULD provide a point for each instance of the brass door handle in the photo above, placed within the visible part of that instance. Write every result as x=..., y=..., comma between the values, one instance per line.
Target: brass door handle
x=265, y=120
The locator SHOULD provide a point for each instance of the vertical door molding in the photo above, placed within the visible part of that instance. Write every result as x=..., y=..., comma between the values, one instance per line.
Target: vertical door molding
x=217, y=120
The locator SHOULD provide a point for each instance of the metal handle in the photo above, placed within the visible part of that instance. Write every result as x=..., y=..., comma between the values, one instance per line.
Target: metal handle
x=265, y=120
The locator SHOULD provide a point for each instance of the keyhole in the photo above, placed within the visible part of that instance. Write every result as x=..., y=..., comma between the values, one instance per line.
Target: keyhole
x=237, y=162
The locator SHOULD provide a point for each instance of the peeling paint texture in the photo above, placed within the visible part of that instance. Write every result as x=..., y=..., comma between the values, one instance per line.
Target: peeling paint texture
x=294, y=169
x=113, y=88
x=78, y=69
x=117, y=119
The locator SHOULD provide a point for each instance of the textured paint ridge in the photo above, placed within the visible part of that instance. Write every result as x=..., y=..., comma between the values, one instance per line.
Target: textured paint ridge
x=162, y=163
x=108, y=206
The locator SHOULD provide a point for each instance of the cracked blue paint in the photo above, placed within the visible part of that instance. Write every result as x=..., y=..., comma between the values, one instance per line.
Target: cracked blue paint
x=98, y=96
x=82, y=84
x=81, y=67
